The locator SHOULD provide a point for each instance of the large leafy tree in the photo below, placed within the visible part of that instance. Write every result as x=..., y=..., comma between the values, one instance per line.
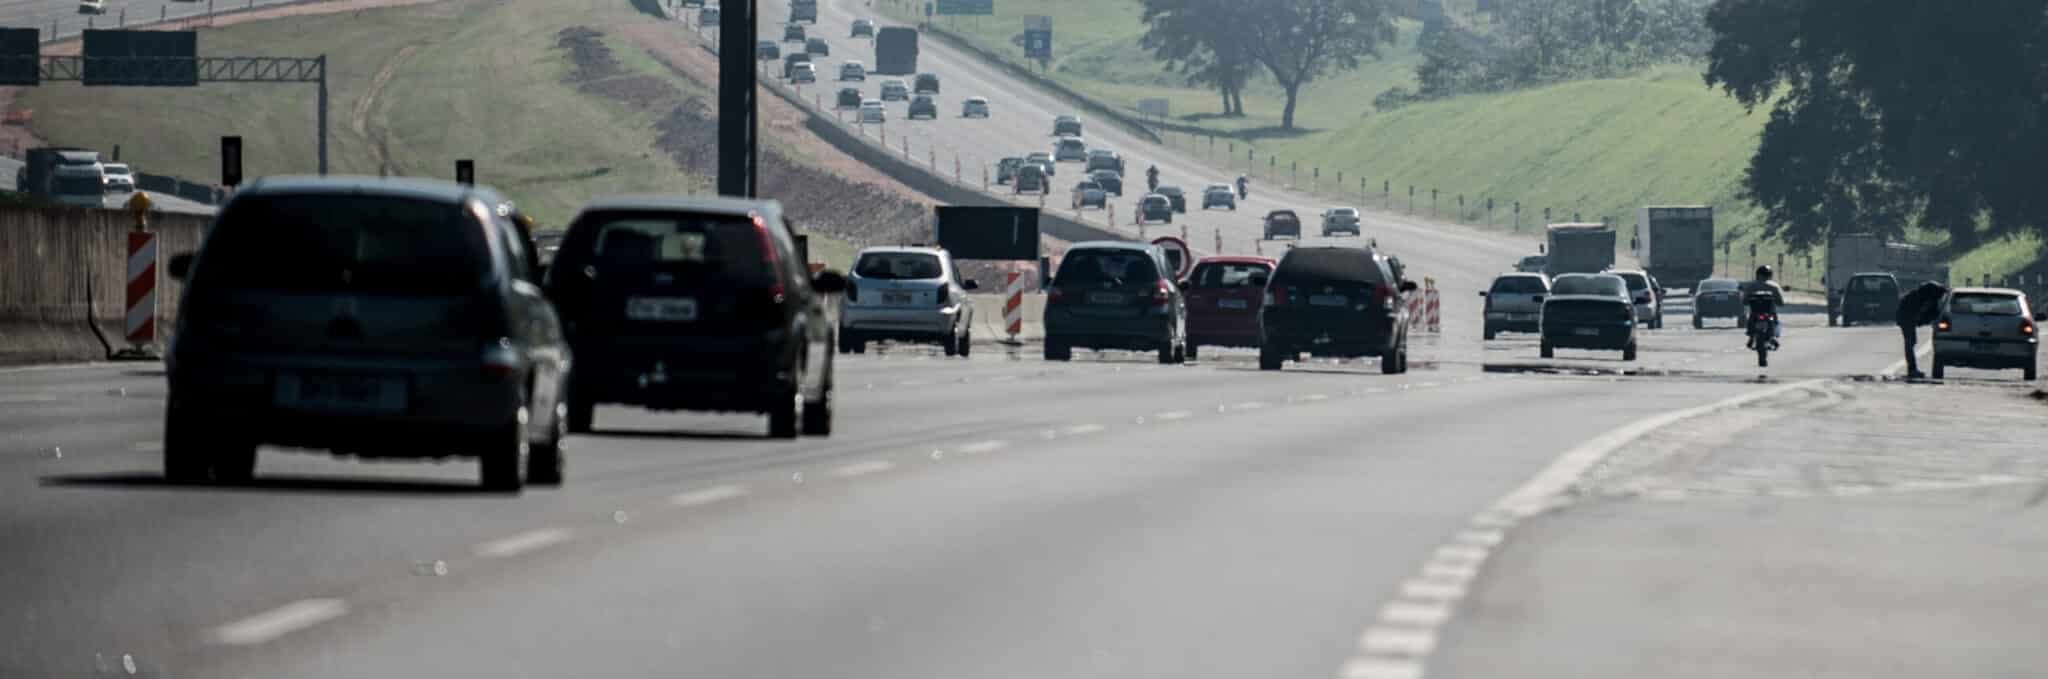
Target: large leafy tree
x=1299, y=41
x=1887, y=110
x=1201, y=39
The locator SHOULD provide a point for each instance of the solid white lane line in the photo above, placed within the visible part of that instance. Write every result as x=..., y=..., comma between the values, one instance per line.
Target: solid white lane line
x=279, y=621
x=1080, y=429
x=1376, y=667
x=1415, y=613
x=983, y=446
x=522, y=543
x=1397, y=641
x=705, y=496
x=863, y=468
x=1172, y=415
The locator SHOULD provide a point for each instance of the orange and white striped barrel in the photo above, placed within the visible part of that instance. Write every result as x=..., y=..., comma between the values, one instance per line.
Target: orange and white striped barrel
x=1432, y=308
x=1013, y=304
x=141, y=325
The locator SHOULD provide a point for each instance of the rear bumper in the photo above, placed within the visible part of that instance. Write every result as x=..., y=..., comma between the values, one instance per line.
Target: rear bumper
x=1144, y=332
x=921, y=324
x=1615, y=336
x=722, y=374
x=1323, y=336
x=1225, y=331
x=1982, y=353
x=448, y=407
x=1502, y=321
x=1718, y=309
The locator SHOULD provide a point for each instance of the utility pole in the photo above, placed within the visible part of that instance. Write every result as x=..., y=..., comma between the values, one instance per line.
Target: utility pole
x=737, y=139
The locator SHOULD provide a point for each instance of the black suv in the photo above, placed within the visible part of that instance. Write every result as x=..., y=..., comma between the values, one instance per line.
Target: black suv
x=925, y=83
x=1115, y=295
x=679, y=303
x=848, y=99
x=392, y=318
x=1343, y=302
x=1869, y=298
x=922, y=105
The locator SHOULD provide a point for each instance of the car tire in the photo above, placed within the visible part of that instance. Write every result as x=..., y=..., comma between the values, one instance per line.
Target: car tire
x=185, y=448
x=1544, y=350
x=502, y=462
x=1936, y=371
x=1270, y=359
x=1167, y=351
x=2027, y=373
x=817, y=415
x=1628, y=353
x=1180, y=354
x=232, y=460
x=1488, y=333
x=966, y=343
x=1390, y=362
x=1698, y=323
x=1057, y=351
x=950, y=345
x=544, y=461
x=1194, y=351
x=582, y=412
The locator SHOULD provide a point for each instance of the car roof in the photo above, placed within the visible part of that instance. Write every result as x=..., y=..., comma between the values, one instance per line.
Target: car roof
x=1237, y=259
x=1875, y=274
x=1214, y=187
x=915, y=249
x=1518, y=274
x=405, y=187
x=876, y=102
x=979, y=99
x=676, y=202
x=852, y=62
x=1132, y=246
x=2009, y=292
x=1061, y=117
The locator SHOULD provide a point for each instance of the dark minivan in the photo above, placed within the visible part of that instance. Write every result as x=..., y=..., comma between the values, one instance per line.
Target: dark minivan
x=376, y=318
x=1870, y=298
x=1115, y=295
x=687, y=303
x=1343, y=302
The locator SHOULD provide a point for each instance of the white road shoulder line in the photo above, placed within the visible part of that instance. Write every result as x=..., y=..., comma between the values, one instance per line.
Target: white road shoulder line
x=1172, y=415
x=522, y=543
x=1080, y=429
x=863, y=468
x=705, y=496
x=983, y=446
x=1248, y=405
x=280, y=621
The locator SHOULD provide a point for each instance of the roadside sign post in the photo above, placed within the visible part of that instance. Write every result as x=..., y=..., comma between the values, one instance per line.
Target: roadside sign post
x=465, y=172
x=231, y=162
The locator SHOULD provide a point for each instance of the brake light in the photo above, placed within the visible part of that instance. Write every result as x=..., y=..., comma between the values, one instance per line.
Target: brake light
x=943, y=293
x=769, y=257
x=2026, y=327
x=500, y=361
x=852, y=289
x=1163, y=293
x=1942, y=325
x=1052, y=294
x=1384, y=296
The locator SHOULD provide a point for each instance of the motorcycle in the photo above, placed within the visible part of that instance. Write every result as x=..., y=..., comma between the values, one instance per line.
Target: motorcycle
x=1241, y=191
x=1151, y=183
x=1763, y=325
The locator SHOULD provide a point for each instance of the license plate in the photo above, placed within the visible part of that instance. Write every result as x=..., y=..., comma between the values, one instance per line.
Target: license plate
x=668, y=309
x=1230, y=304
x=1588, y=332
x=895, y=298
x=1105, y=298
x=1327, y=300
x=339, y=392
x=1986, y=347
x=1521, y=317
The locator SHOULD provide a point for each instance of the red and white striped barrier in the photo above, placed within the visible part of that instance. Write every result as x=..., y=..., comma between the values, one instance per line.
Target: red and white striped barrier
x=1432, y=308
x=1013, y=304
x=141, y=288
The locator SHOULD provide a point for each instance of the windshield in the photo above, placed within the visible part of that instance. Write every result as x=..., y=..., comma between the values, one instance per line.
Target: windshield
x=1519, y=285
x=899, y=266
x=1984, y=304
x=1605, y=286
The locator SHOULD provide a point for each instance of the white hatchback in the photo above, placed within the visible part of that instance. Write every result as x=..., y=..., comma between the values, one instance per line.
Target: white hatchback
x=906, y=294
x=871, y=112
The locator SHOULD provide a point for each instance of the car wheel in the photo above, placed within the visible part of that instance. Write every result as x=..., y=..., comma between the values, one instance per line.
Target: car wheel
x=817, y=416
x=2027, y=373
x=504, y=458
x=966, y=343
x=1193, y=351
x=582, y=412
x=1697, y=323
x=1180, y=354
x=1544, y=350
x=1167, y=351
x=951, y=345
x=1057, y=351
x=860, y=346
x=1270, y=359
x=233, y=460
x=544, y=463
x=1488, y=333
x=185, y=448
x=1390, y=362
x=1937, y=369
x=1628, y=353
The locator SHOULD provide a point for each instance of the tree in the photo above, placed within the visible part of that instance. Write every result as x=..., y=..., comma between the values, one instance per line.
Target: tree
x=1889, y=110
x=1301, y=40
x=1199, y=38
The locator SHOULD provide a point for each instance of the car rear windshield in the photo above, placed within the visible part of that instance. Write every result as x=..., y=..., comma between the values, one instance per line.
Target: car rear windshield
x=1344, y=212
x=899, y=266
x=1984, y=304
x=1519, y=285
x=1587, y=285
x=1716, y=285
x=1304, y=266
x=1229, y=276
x=1874, y=284
x=1635, y=281
x=344, y=243
x=1117, y=268
x=717, y=247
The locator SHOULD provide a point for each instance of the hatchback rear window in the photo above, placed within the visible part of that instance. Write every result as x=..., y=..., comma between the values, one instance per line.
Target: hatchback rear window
x=1116, y=267
x=1717, y=284
x=1228, y=276
x=898, y=266
x=720, y=246
x=1635, y=281
x=1874, y=284
x=1609, y=286
x=1304, y=266
x=1519, y=285
x=1984, y=304
x=344, y=243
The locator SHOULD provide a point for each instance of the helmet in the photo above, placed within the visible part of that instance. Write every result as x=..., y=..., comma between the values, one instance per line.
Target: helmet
x=1763, y=273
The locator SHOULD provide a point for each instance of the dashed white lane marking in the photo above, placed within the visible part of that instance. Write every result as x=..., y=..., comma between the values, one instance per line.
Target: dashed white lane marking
x=1080, y=429
x=1248, y=405
x=1003, y=378
x=1172, y=415
x=149, y=446
x=863, y=468
x=1399, y=645
x=983, y=446
x=1311, y=397
x=280, y=621
x=1398, y=641
x=705, y=496
x=522, y=543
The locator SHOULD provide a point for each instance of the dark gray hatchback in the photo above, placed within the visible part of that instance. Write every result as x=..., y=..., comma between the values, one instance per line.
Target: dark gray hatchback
x=1342, y=302
x=368, y=317
x=683, y=303
x=1115, y=295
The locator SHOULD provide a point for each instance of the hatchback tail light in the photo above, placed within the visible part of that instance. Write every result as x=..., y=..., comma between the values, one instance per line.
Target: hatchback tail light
x=769, y=257
x=943, y=293
x=852, y=289
x=2026, y=327
x=500, y=360
x=1163, y=292
x=1053, y=294
x=1943, y=325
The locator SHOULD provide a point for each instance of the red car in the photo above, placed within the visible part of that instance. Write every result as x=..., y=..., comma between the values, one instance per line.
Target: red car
x=1224, y=295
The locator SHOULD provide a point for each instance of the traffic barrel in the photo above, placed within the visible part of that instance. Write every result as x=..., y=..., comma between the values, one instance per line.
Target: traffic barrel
x=1013, y=304
x=141, y=316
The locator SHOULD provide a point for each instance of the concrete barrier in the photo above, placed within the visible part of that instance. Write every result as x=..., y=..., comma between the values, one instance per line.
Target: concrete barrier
x=53, y=259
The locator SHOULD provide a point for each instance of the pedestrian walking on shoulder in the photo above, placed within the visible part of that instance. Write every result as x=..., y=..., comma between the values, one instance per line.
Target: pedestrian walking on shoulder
x=1917, y=308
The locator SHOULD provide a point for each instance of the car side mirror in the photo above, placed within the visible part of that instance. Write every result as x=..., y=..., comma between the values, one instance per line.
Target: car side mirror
x=829, y=281
x=181, y=265
x=970, y=284
x=1482, y=293
x=1408, y=286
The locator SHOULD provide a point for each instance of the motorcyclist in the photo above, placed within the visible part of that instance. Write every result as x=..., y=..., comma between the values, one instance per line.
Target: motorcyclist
x=1917, y=308
x=1243, y=182
x=1763, y=297
x=1152, y=178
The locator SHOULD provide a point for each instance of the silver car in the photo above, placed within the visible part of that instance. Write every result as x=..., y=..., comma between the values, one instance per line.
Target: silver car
x=974, y=107
x=1988, y=328
x=1090, y=194
x=871, y=112
x=371, y=318
x=1338, y=220
x=1514, y=303
x=893, y=89
x=1647, y=295
x=907, y=294
x=1070, y=150
x=853, y=71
